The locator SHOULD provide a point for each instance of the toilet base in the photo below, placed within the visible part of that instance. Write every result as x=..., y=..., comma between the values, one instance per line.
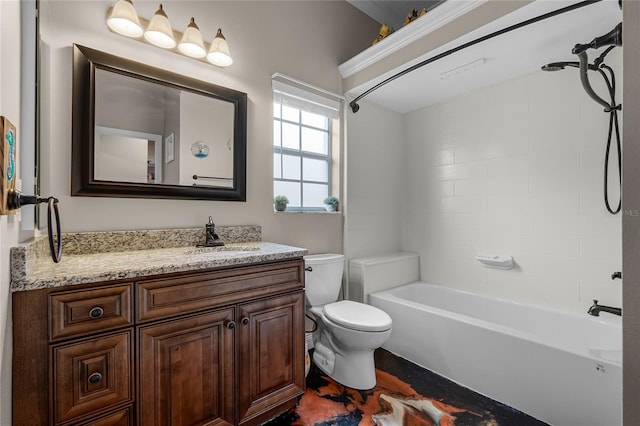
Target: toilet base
x=354, y=370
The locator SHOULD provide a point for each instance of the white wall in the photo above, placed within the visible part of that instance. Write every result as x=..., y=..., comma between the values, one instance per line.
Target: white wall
x=121, y=158
x=515, y=169
x=306, y=40
x=374, y=182
x=208, y=121
x=126, y=103
x=9, y=226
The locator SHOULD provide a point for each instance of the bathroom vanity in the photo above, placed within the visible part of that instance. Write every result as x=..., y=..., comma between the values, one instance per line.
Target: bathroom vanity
x=180, y=336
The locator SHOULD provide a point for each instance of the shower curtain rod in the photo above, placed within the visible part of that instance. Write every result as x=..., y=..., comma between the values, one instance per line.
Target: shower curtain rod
x=354, y=103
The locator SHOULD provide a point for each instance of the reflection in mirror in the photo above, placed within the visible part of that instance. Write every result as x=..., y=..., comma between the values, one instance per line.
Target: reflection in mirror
x=138, y=106
x=126, y=156
x=208, y=123
x=152, y=133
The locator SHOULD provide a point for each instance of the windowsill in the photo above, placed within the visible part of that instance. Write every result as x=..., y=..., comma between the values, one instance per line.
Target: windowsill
x=306, y=212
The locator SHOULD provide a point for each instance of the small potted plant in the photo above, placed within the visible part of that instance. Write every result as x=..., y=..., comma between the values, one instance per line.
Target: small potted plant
x=331, y=203
x=280, y=202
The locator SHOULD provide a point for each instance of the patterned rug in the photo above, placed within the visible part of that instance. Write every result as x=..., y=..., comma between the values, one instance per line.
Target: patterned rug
x=405, y=394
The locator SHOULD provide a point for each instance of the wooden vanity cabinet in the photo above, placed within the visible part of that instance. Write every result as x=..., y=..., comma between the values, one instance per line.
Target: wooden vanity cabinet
x=221, y=347
x=73, y=351
x=270, y=368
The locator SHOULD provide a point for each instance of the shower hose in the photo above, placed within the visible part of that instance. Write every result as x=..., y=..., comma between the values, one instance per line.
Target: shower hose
x=613, y=124
x=612, y=109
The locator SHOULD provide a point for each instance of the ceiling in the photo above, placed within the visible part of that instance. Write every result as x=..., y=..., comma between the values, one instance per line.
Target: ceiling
x=392, y=12
x=504, y=57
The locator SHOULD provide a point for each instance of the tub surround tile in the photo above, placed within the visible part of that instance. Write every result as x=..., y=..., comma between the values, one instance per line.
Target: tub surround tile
x=538, y=170
x=104, y=256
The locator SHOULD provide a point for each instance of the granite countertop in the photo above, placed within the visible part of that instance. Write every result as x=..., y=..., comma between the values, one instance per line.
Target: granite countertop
x=35, y=271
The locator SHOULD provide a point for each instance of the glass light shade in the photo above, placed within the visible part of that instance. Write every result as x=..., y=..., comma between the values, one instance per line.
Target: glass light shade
x=219, y=52
x=159, y=32
x=200, y=150
x=124, y=19
x=191, y=43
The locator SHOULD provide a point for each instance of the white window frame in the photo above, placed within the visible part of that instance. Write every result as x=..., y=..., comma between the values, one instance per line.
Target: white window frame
x=303, y=97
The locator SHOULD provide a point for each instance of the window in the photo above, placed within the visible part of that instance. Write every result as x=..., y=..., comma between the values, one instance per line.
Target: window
x=302, y=142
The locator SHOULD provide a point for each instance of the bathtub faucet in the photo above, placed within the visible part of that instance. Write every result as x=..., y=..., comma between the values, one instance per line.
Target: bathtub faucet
x=595, y=309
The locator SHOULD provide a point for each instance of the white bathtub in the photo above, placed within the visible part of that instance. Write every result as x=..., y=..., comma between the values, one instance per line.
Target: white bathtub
x=562, y=368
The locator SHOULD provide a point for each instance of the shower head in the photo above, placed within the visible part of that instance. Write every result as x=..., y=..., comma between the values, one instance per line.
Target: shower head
x=557, y=66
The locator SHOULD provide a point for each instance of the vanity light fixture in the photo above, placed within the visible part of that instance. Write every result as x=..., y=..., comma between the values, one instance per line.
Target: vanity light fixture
x=123, y=19
x=159, y=32
x=191, y=43
x=219, y=53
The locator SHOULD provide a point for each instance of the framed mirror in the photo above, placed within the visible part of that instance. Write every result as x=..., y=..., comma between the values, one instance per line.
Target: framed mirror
x=144, y=132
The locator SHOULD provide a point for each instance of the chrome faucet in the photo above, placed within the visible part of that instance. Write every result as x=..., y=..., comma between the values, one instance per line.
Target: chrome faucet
x=595, y=309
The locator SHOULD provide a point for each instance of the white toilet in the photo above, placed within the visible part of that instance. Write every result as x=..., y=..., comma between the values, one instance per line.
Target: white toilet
x=348, y=332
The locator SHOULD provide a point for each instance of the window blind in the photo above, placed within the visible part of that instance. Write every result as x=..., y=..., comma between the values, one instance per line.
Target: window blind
x=306, y=100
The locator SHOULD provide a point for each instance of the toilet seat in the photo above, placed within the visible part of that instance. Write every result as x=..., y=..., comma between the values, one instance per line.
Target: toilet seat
x=357, y=316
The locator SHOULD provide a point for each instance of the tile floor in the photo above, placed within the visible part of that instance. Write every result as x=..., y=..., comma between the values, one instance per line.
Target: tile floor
x=405, y=394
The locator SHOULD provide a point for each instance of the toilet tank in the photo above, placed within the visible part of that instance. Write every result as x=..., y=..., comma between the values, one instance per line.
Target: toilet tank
x=323, y=281
x=377, y=273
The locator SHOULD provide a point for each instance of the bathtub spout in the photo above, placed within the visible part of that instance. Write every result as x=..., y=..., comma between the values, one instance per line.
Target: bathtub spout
x=595, y=309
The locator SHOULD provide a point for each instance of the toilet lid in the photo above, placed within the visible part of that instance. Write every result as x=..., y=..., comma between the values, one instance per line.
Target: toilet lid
x=357, y=316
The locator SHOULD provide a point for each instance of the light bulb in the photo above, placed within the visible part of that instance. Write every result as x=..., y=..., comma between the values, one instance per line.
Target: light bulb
x=159, y=32
x=219, y=52
x=124, y=19
x=191, y=43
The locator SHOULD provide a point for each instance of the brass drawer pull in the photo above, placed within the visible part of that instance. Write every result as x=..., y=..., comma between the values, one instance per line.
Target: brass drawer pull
x=96, y=312
x=95, y=378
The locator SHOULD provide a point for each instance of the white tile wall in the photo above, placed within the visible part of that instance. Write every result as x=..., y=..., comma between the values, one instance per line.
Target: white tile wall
x=374, y=183
x=514, y=169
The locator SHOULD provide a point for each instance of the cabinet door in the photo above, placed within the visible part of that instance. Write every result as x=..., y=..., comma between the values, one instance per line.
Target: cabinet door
x=271, y=356
x=91, y=375
x=186, y=371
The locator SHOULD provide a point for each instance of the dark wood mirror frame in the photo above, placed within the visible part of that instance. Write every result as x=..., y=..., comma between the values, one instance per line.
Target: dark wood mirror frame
x=85, y=62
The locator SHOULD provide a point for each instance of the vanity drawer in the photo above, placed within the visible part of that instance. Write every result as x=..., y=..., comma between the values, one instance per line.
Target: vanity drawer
x=122, y=417
x=92, y=375
x=79, y=312
x=194, y=292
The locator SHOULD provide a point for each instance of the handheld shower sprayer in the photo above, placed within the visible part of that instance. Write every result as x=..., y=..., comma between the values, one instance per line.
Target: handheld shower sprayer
x=559, y=66
x=612, y=39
